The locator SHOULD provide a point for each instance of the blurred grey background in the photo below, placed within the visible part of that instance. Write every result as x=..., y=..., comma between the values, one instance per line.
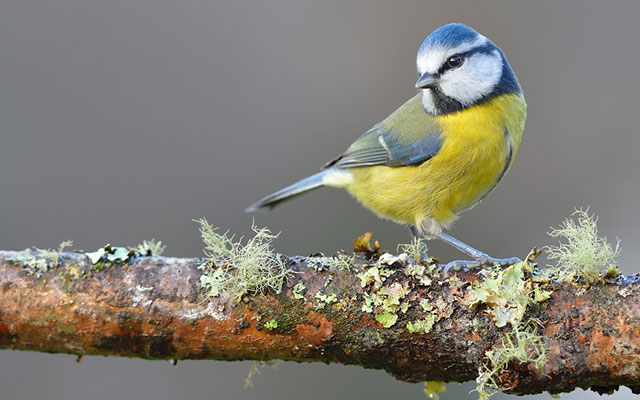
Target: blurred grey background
x=123, y=120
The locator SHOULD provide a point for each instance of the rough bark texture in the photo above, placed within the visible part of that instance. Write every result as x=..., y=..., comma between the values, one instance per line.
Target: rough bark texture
x=155, y=308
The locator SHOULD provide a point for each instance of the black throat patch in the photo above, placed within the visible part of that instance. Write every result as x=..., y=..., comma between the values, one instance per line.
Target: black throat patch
x=443, y=103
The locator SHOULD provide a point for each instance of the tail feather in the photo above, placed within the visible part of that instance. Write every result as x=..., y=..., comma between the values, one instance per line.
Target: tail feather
x=291, y=191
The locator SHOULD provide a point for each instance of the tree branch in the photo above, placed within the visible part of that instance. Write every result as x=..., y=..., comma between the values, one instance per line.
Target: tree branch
x=155, y=308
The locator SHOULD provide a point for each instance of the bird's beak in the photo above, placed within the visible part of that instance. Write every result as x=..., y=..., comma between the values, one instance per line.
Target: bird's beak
x=426, y=81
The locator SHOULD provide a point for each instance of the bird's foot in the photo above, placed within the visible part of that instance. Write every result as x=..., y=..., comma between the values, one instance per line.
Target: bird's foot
x=483, y=260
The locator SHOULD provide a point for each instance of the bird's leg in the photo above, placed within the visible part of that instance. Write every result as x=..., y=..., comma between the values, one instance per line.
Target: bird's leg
x=415, y=234
x=481, y=259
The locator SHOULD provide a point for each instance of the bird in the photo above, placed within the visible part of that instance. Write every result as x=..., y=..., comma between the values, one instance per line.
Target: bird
x=443, y=150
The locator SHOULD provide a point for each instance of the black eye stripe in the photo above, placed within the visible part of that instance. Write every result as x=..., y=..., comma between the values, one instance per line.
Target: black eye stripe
x=445, y=67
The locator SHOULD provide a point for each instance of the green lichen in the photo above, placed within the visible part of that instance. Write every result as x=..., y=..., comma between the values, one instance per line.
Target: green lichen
x=298, y=291
x=508, y=295
x=387, y=319
x=375, y=275
x=385, y=297
x=385, y=303
x=323, y=300
x=250, y=267
x=38, y=261
x=150, y=248
x=272, y=324
x=524, y=345
x=340, y=261
x=119, y=255
x=422, y=325
x=111, y=254
x=584, y=252
x=419, y=271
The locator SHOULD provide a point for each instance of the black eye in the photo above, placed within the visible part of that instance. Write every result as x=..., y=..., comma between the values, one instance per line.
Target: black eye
x=455, y=61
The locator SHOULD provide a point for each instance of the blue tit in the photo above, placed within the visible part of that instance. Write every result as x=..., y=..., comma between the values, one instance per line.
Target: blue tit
x=442, y=151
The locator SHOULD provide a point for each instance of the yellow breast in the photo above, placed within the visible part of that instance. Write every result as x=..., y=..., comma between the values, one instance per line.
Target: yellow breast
x=478, y=147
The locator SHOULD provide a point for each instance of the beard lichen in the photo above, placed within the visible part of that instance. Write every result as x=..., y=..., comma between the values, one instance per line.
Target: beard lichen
x=584, y=253
x=239, y=268
x=523, y=344
x=416, y=249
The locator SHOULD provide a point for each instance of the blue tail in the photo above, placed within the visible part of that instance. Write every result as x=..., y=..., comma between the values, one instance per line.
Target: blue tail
x=291, y=191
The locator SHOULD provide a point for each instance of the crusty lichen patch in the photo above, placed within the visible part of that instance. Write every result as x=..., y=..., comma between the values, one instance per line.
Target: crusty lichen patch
x=38, y=261
x=507, y=293
x=423, y=325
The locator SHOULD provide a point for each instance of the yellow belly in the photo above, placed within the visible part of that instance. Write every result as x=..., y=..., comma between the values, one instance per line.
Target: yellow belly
x=478, y=146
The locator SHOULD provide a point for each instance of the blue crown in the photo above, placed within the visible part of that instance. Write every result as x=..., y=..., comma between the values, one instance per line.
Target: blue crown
x=450, y=35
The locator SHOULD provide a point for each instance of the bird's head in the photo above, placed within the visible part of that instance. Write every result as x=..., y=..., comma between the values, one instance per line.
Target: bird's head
x=458, y=68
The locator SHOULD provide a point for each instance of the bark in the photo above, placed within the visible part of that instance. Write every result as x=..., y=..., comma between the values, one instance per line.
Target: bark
x=155, y=308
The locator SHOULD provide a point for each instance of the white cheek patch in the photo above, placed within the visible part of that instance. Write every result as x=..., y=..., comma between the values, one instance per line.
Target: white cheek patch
x=428, y=103
x=474, y=79
x=431, y=59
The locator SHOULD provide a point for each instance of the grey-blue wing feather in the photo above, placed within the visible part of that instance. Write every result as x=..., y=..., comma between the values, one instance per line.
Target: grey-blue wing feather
x=409, y=136
x=377, y=147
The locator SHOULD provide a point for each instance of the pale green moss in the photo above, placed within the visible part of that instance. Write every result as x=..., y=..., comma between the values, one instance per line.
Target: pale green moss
x=272, y=324
x=584, y=253
x=612, y=271
x=252, y=267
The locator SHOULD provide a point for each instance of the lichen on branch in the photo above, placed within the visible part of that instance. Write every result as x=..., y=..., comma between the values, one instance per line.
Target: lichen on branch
x=241, y=268
x=516, y=329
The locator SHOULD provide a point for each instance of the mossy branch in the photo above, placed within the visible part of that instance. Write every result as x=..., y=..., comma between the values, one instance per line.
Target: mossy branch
x=384, y=311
